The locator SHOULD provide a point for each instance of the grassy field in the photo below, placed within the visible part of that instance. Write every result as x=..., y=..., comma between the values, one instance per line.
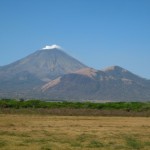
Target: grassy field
x=45, y=132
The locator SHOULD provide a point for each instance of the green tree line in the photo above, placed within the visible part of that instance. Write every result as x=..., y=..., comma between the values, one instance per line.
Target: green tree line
x=128, y=106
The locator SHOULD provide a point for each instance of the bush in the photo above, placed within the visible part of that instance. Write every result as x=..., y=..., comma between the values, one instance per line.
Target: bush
x=128, y=106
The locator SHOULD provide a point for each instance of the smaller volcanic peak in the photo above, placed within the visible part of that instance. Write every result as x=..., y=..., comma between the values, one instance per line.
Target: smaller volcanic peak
x=118, y=72
x=114, y=84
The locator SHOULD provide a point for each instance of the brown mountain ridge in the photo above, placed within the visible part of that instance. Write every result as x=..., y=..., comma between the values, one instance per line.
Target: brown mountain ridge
x=115, y=84
x=50, y=73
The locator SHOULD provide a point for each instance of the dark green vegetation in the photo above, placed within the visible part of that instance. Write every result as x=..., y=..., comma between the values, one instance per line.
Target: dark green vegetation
x=128, y=106
x=76, y=108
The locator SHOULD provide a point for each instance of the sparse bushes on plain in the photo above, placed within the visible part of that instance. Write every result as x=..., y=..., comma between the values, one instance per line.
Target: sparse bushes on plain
x=127, y=106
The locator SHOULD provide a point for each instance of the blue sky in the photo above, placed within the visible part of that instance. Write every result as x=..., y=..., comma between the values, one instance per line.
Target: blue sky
x=99, y=33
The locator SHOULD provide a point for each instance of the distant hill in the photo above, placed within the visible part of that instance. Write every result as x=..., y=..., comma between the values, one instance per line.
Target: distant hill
x=111, y=84
x=50, y=73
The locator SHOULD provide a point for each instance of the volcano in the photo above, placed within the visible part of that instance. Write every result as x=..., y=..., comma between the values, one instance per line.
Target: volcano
x=50, y=73
x=25, y=76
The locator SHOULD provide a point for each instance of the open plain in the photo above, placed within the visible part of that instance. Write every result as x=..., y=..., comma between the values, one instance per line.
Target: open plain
x=45, y=132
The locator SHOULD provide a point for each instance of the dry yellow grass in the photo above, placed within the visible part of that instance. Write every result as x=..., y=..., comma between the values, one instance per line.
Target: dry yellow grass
x=39, y=132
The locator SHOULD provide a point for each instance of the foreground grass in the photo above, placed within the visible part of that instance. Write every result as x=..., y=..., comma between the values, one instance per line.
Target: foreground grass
x=43, y=132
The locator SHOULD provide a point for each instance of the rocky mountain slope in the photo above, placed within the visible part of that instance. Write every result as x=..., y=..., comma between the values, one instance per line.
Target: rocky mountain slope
x=25, y=76
x=111, y=84
x=50, y=73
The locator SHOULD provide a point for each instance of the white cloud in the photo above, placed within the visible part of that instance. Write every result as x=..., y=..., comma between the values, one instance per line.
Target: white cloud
x=49, y=47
